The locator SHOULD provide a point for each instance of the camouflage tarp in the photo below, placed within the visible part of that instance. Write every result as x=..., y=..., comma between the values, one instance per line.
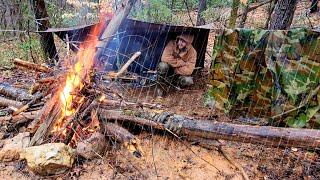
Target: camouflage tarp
x=267, y=74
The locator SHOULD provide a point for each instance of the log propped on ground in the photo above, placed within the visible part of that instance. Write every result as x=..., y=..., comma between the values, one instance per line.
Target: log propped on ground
x=30, y=65
x=4, y=102
x=122, y=135
x=15, y=93
x=265, y=135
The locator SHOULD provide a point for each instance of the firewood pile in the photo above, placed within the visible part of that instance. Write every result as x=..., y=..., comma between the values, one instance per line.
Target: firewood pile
x=69, y=113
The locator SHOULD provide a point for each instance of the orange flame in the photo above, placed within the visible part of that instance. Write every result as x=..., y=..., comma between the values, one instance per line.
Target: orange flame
x=77, y=75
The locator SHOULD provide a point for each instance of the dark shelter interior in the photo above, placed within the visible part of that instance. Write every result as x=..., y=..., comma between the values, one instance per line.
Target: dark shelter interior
x=133, y=36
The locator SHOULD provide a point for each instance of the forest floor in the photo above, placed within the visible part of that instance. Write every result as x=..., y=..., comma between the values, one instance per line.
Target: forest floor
x=166, y=157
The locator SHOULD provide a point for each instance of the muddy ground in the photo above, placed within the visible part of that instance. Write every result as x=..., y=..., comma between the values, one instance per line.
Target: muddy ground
x=167, y=157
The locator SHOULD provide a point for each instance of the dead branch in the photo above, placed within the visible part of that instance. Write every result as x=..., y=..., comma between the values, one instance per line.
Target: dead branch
x=254, y=7
x=127, y=64
x=21, y=118
x=29, y=65
x=15, y=93
x=30, y=103
x=4, y=102
x=129, y=141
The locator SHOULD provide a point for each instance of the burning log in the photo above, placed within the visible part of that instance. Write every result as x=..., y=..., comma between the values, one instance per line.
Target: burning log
x=4, y=102
x=265, y=135
x=29, y=65
x=15, y=93
x=51, y=112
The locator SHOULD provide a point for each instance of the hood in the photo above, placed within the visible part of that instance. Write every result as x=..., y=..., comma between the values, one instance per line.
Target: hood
x=187, y=38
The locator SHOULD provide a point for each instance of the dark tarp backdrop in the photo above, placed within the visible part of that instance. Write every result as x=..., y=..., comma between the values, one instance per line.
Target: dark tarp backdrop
x=133, y=36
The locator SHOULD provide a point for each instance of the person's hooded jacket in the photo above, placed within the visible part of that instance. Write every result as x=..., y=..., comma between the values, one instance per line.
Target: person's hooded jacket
x=185, y=62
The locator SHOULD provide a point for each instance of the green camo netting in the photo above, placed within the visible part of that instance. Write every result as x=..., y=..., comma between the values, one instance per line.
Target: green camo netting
x=267, y=74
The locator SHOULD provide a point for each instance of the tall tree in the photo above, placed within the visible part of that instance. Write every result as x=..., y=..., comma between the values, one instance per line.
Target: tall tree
x=283, y=14
x=270, y=10
x=234, y=13
x=201, y=7
x=244, y=14
x=46, y=39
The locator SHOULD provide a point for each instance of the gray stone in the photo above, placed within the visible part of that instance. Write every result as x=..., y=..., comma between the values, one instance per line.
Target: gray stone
x=12, y=147
x=92, y=147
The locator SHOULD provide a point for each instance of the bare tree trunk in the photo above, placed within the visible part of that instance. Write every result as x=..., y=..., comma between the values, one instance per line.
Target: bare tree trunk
x=245, y=14
x=234, y=13
x=283, y=14
x=42, y=23
x=202, y=7
x=270, y=10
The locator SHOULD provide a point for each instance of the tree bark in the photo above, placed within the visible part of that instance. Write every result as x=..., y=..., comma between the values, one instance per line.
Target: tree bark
x=202, y=7
x=265, y=135
x=30, y=65
x=4, y=102
x=122, y=135
x=46, y=39
x=234, y=14
x=283, y=14
x=15, y=93
x=270, y=10
x=245, y=14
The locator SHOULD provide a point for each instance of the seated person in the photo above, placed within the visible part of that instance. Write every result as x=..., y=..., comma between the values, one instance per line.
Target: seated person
x=178, y=60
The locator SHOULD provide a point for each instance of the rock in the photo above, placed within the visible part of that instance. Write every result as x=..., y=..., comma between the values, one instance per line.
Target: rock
x=48, y=159
x=92, y=147
x=12, y=147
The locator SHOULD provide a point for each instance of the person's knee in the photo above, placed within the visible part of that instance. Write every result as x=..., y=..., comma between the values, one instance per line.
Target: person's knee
x=186, y=81
x=163, y=68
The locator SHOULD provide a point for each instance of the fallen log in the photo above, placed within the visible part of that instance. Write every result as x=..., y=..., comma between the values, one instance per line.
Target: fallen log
x=23, y=117
x=129, y=141
x=4, y=102
x=29, y=65
x=265, y=135
x=15, y=93
x=110, y=102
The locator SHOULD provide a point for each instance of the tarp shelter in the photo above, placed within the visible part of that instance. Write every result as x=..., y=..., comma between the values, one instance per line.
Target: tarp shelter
x=268, y=74
x=133, y=36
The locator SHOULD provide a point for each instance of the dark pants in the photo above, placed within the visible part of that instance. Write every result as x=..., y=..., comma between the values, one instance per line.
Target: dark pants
x=167, y=75
x=314, y=6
